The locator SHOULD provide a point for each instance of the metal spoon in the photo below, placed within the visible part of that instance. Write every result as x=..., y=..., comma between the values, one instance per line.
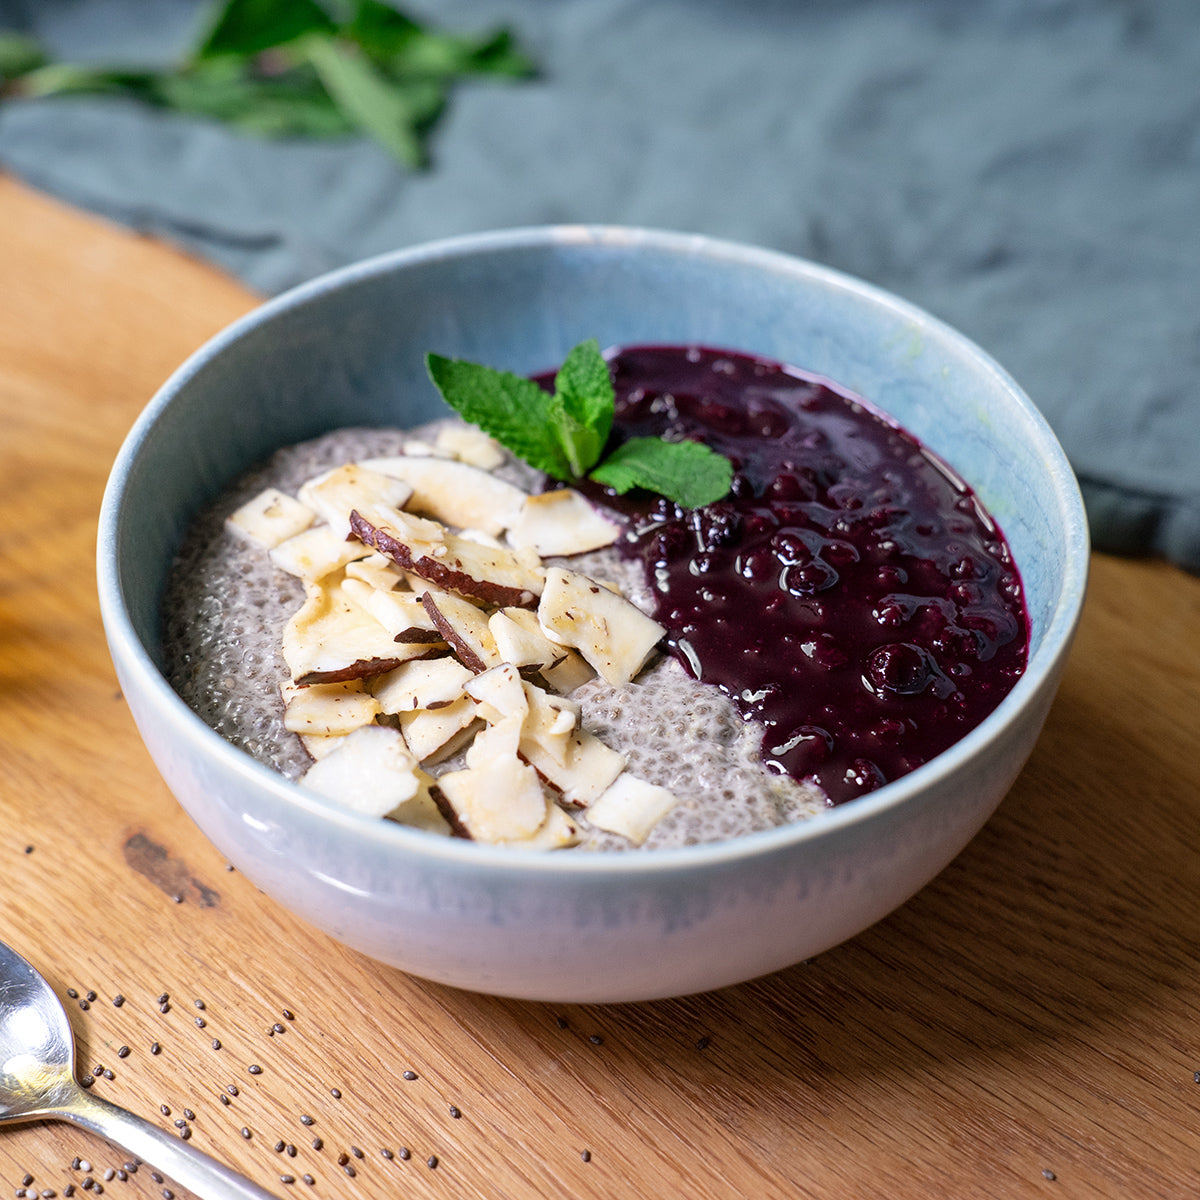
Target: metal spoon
x=37, y=1082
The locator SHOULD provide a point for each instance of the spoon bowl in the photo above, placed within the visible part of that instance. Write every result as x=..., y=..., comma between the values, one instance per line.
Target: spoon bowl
x=37, y=1082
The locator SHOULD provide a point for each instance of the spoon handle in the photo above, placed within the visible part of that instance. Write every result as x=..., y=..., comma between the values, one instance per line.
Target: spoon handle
x=187, y=1166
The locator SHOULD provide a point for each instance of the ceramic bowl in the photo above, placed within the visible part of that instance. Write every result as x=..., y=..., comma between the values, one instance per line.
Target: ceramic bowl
x=348, y=348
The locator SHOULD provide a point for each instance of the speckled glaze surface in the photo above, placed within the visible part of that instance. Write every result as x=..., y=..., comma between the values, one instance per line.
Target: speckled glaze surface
x=348, y=348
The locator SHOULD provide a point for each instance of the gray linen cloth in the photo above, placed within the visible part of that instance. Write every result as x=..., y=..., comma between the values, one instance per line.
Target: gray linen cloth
x=1028, y=170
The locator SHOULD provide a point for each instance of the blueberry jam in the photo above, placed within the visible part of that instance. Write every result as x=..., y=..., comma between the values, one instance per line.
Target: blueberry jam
x=851, y=593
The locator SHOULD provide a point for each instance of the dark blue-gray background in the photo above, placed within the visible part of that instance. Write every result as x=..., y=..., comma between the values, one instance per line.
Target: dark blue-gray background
x=1028, y=170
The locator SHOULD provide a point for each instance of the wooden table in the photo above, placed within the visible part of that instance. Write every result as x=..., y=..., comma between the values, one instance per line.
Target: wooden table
x=1028, y=1025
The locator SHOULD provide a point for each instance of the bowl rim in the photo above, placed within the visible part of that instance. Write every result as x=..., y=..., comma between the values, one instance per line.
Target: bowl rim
x=1042, y=667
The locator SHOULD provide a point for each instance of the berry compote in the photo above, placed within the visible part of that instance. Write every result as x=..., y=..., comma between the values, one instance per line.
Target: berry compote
x=851, y=593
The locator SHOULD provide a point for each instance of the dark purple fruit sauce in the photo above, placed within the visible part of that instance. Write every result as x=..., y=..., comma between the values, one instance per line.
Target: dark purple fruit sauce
x=850, y=593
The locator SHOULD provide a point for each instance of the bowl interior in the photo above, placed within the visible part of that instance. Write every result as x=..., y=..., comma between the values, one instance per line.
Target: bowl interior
x=349, y=349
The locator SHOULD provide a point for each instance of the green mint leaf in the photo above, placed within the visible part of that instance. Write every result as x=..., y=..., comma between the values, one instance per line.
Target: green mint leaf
x=367, y=98
x=512, y=409
x=583, y=403
x=687, y=472
x=246, y=27
x=19, y=54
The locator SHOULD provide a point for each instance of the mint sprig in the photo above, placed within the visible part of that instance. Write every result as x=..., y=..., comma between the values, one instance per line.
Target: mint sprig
x=564, y=433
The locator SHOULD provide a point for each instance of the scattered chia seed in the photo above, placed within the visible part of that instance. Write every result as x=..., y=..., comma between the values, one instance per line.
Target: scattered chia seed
x=164, y=1008
x=246, y=1133
x=27, y=1180
x=586, y=1155
x=279, y=1147
x=216, y=1043
x=185, y=1133
x=596, y=1040
x=76, y=1163
x=387, y=1154
x=162, y=1108
x=1049, y=1174
x=90, y=996
x=335, y=1093
x=308, y=1179
x=200, y=1022
x=287, y=1179
x=97, y=1070
x=405, y=1153
x=123, y=1052
x=108, y=1073
x=356, y=1152
x=317, y=1143
x=156, y=1177
x=87, y=1183
x=84, y=1005
x=1196, y=1076
x=73, y=993
x=118, y=1000
x=254, y=1069
x=198, y=1003
x=28, y=849
x=231, y=1088
x=86, y=1081
x=224, y=1099
x=305, y=1119
x=343, y=1159
x=410, y=1075
x=702, y=1043
x=122, y=1174
x=109, y=1174
x=562, y=1022
x=98, y=1189
x=277, y=1028
x=288, y=1015
x=176, y=899
x=455, y=1111
x=131, y=1167
x=155, y=1048
x=164, y=998
x=168, y=1194
x=432, y=1161
x=69, y=1190
x=189, y=1115
x=290, y=1150
x=179, y=1122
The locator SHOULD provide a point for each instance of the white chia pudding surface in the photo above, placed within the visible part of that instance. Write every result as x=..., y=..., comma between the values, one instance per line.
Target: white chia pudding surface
x=226, y=604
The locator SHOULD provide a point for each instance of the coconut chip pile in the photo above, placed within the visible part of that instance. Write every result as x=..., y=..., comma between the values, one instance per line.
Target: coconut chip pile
x=432, y=629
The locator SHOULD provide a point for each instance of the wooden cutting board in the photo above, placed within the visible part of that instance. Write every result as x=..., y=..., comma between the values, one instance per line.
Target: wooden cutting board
x=1026, y=1026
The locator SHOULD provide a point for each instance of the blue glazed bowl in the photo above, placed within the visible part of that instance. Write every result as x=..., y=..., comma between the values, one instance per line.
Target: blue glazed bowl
x=348, y=349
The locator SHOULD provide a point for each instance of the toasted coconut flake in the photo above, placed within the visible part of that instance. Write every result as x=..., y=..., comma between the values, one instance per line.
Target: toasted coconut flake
x=401, y=613
x=499, y=801
x=436, y=734
x=422, y=683
x=372, y=772
x=454, y=493
x=315, y=553
x=520, y=640
x=557, y=833
x=615, y=636
x=499, y=693
x=561, y=522
x=471, y=445
x=551, y=722
x=631, y=807
x=376, y=570
x=335, y=494
x=328, y=709
x=589, y=767
x=488, y=574
x=270, y=517
x=464, y=628
x=331, y=638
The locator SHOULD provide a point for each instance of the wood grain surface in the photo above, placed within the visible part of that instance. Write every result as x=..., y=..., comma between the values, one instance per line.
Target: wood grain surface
x=1028, y=1025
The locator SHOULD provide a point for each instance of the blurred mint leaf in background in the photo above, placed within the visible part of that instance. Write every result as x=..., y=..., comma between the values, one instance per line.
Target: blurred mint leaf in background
x=299, y=68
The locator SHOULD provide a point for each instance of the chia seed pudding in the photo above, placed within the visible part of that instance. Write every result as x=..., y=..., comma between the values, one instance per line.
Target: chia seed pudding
x=845, y=614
